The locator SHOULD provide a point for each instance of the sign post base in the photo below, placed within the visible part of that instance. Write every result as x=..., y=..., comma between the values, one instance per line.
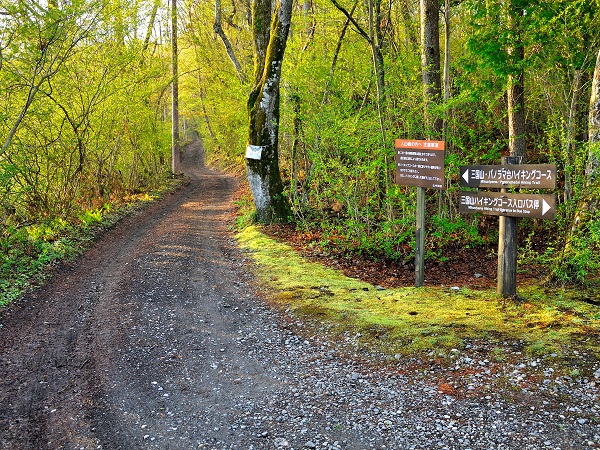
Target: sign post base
x=420, y=239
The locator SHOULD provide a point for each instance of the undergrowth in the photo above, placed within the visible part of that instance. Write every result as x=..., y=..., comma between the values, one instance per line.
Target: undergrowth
x=28, y=253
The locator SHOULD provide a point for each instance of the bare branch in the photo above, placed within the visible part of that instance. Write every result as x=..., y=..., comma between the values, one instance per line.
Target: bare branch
x=352, y=20
x=336, y=54
x=219, y=30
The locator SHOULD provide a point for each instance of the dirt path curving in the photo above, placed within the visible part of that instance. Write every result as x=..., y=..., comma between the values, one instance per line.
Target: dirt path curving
x=120, y=351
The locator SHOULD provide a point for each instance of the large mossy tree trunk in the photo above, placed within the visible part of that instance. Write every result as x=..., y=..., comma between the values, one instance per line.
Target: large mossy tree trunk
x=270, y=31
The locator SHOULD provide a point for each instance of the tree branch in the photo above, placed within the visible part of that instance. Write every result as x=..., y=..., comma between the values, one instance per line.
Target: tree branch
x=219, y=30
x=336, y=54
x=352, y=20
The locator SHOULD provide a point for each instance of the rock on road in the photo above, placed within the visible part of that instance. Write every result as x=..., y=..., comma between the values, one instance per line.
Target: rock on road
x=156, y=339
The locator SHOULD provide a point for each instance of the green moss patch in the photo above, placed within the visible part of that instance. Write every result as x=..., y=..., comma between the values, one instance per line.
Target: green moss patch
x=414, y=320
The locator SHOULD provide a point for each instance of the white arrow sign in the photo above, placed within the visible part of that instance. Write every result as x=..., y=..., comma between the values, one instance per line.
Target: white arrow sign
x=545, y=207
x=466, y=175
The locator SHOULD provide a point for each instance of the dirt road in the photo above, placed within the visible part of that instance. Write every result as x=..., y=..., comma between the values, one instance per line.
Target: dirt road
x=156, y=339
x=104, y=355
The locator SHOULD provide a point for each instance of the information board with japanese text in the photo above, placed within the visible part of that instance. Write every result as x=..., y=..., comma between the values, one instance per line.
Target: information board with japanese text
x=420, y=163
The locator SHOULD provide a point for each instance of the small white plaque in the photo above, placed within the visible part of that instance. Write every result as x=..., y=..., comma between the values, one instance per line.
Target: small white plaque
x=254, y=151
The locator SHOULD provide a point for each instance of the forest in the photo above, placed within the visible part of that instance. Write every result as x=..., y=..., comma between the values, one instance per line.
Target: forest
x=322, y=88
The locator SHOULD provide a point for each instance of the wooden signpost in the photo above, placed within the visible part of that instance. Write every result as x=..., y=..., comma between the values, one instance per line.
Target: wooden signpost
x=508, y=206
x=420, y=163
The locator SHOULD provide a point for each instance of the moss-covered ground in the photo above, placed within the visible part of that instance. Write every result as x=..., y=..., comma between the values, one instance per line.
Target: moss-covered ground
x=405, y=321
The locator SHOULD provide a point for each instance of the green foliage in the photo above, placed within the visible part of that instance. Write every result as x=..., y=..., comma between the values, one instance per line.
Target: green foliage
x=89, y=131
x=90, y=217
x=580, y=261
x=83, y=125
x=25, y=253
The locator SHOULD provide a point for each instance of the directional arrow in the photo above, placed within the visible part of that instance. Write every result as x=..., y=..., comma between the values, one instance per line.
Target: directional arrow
x=466, y=176
x=545, y=207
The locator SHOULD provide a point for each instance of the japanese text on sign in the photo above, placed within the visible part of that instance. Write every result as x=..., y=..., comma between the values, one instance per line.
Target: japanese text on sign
x=420, y=163
x=534, y=176
x=502, y=204
x=406, y=143
x=521, y=203
x=504, y=174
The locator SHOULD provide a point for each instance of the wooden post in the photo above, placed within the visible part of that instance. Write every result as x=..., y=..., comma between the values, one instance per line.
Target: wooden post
x=420, y=238
x=507, y=250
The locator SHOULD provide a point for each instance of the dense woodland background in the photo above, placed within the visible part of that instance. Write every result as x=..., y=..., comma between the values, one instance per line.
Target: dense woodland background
x=85, y=115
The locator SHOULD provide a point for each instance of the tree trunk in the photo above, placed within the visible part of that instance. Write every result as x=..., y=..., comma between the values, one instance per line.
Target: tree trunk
x=590, y=202
x=430, y=61
x=592, y=171
x=175, y=157
x=446, y=66
x=376, y=42
x=516, y=91
x=570, y=134
x=262, y=158
x=211, y=132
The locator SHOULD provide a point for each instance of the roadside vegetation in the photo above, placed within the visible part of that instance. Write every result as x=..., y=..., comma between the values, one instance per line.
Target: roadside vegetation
x=30, y=253
x=341, y=111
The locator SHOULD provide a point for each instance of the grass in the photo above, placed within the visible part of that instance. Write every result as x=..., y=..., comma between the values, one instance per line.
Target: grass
x=410, y=321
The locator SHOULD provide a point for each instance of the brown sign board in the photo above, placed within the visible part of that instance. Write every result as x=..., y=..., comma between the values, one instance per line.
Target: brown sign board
x=420, y=163
x=514, y=205
x=528, y=176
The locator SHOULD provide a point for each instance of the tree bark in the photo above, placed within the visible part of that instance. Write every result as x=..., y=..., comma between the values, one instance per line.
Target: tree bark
x=430, y=62
x=446, y=65
x=516, y=90
x=204, y=113
x=376, y=42
x=270, y=32
x=592, y=171
x=570, y=134
x=175, y=157
x=590, y=202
